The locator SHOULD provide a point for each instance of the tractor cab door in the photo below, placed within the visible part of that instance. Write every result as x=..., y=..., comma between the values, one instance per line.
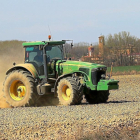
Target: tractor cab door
x=35, y=56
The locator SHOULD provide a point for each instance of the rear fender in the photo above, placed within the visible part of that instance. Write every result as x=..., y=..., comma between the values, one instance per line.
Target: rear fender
x=27, y=67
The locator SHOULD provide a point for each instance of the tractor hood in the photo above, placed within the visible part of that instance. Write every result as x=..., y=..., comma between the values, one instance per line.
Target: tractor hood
x=64, y=67
x=80, y=64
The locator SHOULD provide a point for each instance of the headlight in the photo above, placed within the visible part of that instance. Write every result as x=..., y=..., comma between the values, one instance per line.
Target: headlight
x=103, y=76
x=94, y=69
x=105, y=68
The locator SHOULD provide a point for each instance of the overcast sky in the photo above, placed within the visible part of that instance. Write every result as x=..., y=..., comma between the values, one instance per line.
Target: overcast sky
x=80, y=20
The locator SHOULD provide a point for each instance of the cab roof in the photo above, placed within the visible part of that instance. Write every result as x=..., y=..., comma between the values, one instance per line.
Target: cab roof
x=43, y=43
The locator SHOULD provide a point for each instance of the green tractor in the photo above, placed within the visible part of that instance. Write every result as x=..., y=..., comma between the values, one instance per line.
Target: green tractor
x=45, y=71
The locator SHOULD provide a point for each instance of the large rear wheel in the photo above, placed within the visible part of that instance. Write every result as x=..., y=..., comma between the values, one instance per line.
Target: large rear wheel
x=20, y=89
x=95, y=97
x=68, y=93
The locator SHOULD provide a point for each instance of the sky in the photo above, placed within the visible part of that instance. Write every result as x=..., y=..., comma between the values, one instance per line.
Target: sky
x=79, y=20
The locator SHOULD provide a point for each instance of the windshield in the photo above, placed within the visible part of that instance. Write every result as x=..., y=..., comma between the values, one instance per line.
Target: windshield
x=34, y=54
x=54, y=52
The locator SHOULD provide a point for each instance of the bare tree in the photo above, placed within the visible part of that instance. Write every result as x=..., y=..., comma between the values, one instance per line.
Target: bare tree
x=121, y=48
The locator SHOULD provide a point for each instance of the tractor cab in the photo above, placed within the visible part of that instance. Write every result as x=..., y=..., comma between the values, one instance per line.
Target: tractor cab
x=43, y=54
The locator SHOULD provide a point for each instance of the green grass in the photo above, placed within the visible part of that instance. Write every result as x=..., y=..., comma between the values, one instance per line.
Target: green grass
x=124, y=68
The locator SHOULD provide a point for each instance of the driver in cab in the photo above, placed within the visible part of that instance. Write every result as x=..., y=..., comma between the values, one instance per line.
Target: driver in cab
x=38, y=57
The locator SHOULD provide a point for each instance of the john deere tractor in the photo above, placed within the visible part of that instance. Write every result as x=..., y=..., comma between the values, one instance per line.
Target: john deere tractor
x=45, y=71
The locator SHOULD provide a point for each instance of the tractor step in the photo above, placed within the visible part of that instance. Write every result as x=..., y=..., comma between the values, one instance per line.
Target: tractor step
x=44, y=89
x=52, y=90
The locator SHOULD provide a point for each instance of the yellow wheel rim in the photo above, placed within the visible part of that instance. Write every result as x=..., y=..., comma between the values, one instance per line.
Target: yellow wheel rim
x=66, y=92
x=17, y=90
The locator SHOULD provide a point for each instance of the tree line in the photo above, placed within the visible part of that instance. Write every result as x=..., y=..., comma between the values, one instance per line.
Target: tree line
x=121, y=48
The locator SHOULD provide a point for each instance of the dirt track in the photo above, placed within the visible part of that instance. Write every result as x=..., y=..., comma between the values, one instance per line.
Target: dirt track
x=74, y=122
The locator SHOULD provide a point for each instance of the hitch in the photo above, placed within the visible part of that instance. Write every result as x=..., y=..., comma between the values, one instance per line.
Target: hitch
x=44, y=88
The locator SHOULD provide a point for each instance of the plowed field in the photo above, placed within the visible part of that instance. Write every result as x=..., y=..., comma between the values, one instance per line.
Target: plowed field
x=118, y=118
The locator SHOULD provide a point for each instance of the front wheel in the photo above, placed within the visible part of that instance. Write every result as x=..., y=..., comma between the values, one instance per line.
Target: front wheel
x=19, y=88
x=67, y=91
x=95, y=97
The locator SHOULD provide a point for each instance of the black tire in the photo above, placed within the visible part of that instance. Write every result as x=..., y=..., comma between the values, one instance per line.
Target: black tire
x=68, y=93
x=96, y=97
x=20, y=89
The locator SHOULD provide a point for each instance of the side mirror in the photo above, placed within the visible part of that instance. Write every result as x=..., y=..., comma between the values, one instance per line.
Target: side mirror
x=71, y=45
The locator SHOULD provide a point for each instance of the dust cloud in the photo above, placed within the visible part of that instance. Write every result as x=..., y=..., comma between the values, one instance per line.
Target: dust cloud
x=3, y=103
x=6, y=62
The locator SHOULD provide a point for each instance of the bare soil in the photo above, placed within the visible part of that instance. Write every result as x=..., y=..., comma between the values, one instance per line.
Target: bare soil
x=117, y=119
